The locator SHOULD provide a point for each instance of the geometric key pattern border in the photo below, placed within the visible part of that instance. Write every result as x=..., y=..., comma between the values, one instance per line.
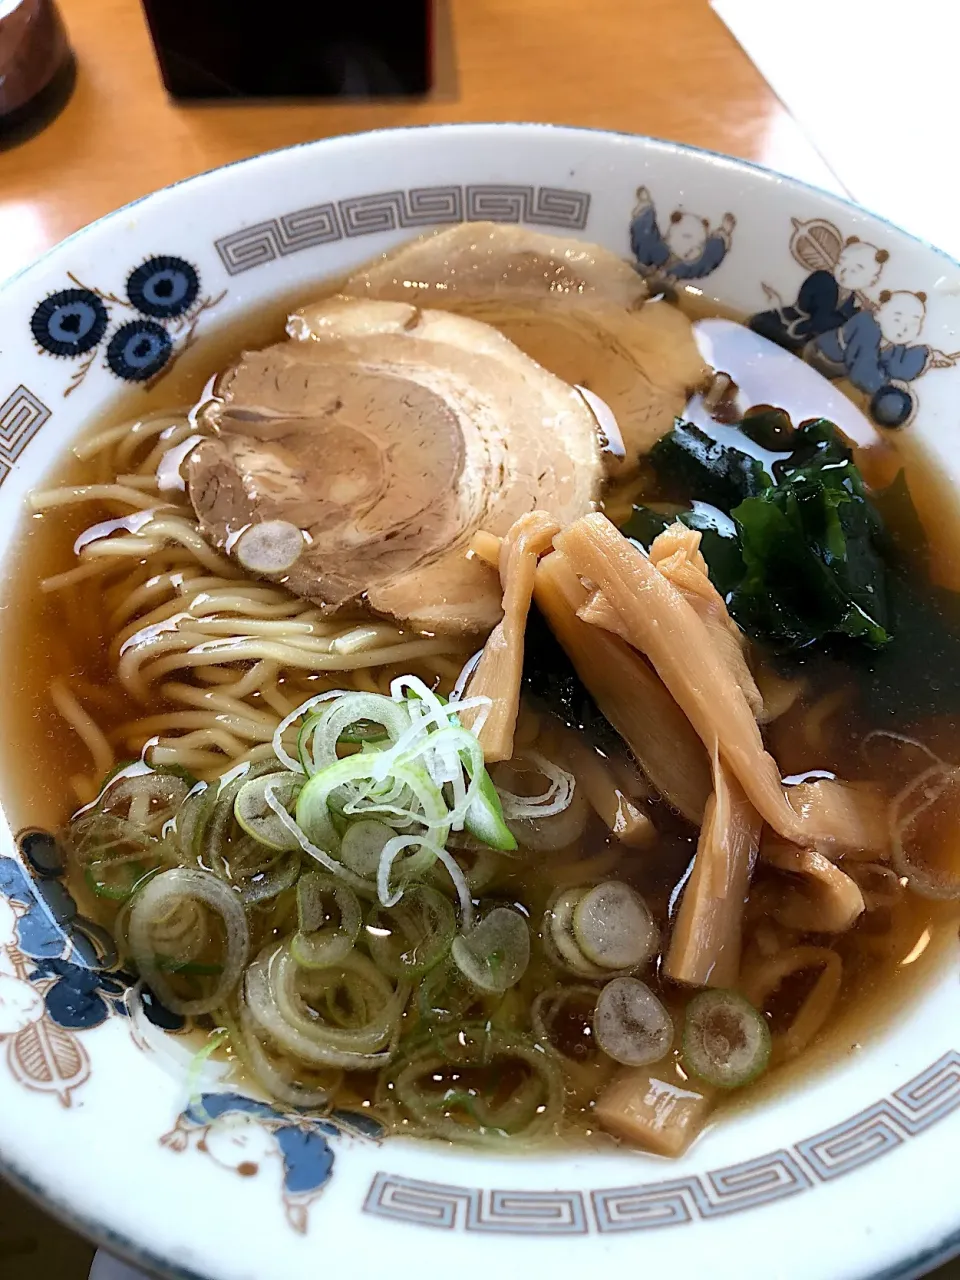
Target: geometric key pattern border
x=22, y=415
x=325, y=223
x=835, y=1152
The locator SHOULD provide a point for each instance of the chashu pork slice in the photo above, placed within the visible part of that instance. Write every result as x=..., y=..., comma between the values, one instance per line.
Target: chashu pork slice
x=355, y=462
x=474, y=260
x=577, y=309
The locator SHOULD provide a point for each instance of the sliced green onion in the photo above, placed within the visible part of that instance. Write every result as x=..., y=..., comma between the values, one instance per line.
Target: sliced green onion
x=923, y=824
x=102, y=838
x=559, y=941
x=364, y=733
x=480, y=865
x=408, y=940
x=313, y=804
x=191, y=817
x=256, y=870
x=413, y=797
x=177, y=771
x=116, y=771
x=494, y=954
x=630, y=1023
x=445, y=996
x=446, y=747
x=614, y=928
x=178, y=928
x=551, y=820
x=484, y=813
x=281, y=1079
x=396, y=846
x=484, y=817
x=413, y=773
x=318, y=738
x=274, y=989
x=215, y=826
x=726, y=1042
x=116, y=881
x=169, y=888
x=257, y=818
x=434, y=1086
x=322, y=940
x=268, y=879
x=376, y=799
x=147, y=799
x=600, y=931
x=195, y=1070
x=289, y=721
x=356, y=882
x=363, y=843
x=554, y=800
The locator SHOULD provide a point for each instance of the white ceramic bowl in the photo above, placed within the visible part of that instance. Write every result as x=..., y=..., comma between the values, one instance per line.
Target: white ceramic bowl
x=844, y=1175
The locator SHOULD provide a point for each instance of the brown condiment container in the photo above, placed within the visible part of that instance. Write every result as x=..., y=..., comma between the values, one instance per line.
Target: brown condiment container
x=36, y=67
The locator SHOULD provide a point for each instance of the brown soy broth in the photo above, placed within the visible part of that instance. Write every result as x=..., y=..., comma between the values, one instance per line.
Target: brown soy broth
x=59, y=636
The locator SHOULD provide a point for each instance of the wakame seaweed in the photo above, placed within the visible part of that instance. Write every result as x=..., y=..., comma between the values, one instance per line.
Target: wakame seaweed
x=809, y=540
x=718, y=540
x=813, y=566
x=691, y=464
x=549, y=678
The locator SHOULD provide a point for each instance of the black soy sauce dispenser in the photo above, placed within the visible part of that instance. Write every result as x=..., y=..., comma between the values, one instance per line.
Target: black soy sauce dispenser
x=295, y=49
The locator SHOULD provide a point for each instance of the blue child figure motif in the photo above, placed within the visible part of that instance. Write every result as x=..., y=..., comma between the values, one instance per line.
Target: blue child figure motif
x=41, y=939
x=827, y=300
x=37, y=933
x=40, y=1055
x=243, y=1134
x=80, y=996
x=58, y=975
x=687, y=250
x=879, y=351
x=21, y=1005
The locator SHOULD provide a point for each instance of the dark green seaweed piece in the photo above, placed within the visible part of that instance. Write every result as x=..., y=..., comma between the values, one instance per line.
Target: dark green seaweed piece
x=811, y=567
x=817, y=444
x=809, y=562
x=811, y=546
x=718, y=540
x=644, y=524
x=719, y=545
x=549, y=677
x=691, y=465
x=816, y=564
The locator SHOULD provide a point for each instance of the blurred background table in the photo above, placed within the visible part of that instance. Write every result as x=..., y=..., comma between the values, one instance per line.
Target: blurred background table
x=664, y=67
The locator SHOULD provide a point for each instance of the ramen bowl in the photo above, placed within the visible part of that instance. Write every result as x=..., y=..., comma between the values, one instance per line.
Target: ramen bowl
x=836, y=1173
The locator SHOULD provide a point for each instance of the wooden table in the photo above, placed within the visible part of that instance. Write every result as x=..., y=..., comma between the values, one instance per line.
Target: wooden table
x=663, y=67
